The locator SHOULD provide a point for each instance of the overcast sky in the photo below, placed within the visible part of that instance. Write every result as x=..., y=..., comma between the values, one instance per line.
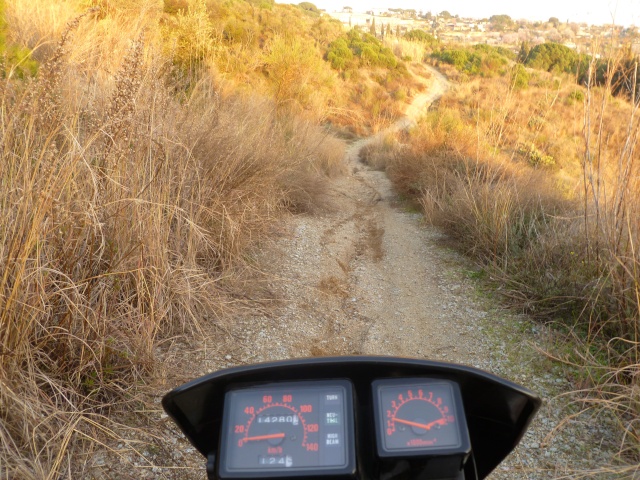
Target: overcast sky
x=624, y=12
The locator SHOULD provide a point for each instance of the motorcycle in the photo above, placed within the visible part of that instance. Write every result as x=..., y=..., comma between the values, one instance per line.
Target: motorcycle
x=349, y=418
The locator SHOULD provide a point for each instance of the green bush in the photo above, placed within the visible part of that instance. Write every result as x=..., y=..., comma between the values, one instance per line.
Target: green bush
x=309, y=8
x=553, y=57
x=14, y=60
x=368, y=55
x=362, y=46
x=536, y=158
x=576, y=96
x=339, y=54
x=420, y=36
x=482, y=60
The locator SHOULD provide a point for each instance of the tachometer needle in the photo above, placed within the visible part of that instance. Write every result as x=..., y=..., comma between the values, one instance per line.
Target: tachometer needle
x=264, y=437
x=427, y=426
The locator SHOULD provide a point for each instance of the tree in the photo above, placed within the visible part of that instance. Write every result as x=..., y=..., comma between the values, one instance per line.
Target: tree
x=554, y=21
x=310, y=8
x=372, y=27
x=525, y=49
x=500, y=22
x=446, y=15
x=553, y=57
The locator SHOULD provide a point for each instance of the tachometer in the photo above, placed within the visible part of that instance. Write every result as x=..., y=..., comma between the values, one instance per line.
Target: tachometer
x=422, y=417
x=285, y=429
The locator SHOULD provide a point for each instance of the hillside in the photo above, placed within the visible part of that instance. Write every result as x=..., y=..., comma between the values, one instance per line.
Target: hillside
x=182, y=190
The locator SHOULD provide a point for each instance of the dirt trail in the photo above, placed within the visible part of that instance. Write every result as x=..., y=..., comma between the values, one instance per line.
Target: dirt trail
x=368, y=277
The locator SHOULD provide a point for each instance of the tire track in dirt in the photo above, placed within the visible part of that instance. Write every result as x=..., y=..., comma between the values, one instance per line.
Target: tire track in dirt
x=369, y=264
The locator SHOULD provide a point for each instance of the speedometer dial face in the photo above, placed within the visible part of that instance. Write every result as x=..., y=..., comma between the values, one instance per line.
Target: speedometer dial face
x=419, y=417
x=287, y=428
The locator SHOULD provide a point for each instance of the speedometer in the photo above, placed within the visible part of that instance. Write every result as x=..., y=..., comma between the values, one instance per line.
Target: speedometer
x=290, y=429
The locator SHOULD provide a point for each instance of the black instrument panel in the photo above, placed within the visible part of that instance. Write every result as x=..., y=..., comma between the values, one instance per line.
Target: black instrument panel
x=497, y=412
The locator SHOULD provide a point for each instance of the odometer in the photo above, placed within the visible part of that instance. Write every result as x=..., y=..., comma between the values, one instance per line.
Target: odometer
x=288, y=429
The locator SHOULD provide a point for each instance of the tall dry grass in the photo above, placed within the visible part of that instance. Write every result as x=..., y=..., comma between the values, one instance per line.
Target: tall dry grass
x=541, y=187
x=408, y=50
x=124, y=210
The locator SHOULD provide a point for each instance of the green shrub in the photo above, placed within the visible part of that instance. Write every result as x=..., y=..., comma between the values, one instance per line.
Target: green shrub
x=15, y=60
x=553, y=57
x=365, y=47
x=535, y=157
x=309, y=8
x=339, y=54
x=482, y=60
x=576, y=96
x=420, y=36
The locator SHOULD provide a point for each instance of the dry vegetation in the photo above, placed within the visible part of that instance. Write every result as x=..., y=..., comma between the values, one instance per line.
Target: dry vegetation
x=284, y=51
x=539, y=183
x=128, y=203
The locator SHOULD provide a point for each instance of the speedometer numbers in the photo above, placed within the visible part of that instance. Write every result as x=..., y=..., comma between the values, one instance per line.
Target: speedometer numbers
x=421, y=417
x=287, y=429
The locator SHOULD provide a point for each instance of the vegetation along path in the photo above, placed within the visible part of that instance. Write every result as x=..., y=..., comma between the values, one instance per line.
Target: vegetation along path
x=367, y=276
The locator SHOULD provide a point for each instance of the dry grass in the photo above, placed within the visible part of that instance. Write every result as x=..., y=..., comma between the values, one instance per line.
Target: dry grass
x=406, y=49
x=125, y=210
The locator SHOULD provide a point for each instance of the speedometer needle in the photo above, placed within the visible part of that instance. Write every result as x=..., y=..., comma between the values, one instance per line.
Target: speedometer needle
x=264, y=437
x=427, y=426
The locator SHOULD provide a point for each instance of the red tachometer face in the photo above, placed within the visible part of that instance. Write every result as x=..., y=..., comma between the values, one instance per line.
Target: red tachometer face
x=419, y=416
x=416, y=418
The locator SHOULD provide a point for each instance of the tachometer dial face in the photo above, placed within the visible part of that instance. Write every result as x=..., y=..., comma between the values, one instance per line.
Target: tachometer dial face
x=418, y=416
x=288, y=427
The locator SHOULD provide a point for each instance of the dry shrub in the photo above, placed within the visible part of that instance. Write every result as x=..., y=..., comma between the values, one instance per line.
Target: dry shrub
x=38, y=24
x=491, y=208
x=379, y=152
x=406, y=49
x=124, y=210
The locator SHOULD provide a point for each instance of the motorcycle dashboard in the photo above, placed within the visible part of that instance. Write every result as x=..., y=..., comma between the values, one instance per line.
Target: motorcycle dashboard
x=350, y=418
x=295, y=428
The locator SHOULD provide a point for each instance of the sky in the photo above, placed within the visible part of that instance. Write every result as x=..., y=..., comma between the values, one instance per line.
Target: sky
x=622, y=12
